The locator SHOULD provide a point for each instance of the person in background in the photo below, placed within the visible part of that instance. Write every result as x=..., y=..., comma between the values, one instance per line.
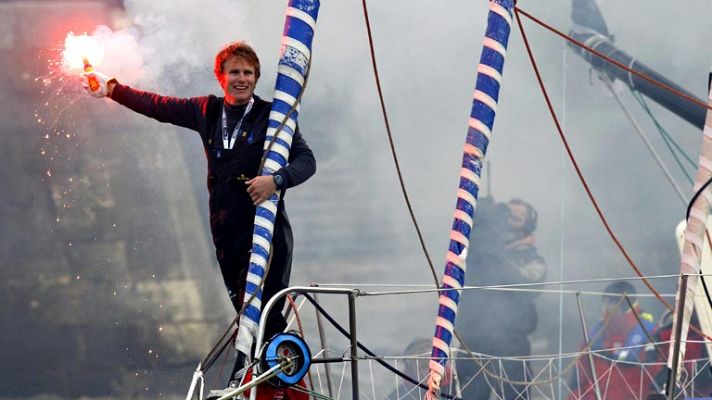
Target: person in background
x=618, y=339
x=622, y=331
x=521, y=243
x=496, y=322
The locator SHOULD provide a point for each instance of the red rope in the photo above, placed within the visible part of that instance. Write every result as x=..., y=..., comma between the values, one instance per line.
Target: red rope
x=576, y=166
x=224, y=361
x=294, y=307
x=517, y=11
x=674, y=91
x=401, y=180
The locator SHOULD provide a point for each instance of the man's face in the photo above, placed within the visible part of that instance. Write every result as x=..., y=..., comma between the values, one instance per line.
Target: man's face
x=611, y=306
x=518, y=215
x=238, y=80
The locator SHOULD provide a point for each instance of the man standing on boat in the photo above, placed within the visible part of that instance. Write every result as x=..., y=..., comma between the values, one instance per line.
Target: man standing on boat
x=496, y=322
x=233, y=131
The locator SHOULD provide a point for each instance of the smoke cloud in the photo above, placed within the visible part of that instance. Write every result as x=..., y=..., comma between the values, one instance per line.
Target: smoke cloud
x=350, y=221
x=179, y=38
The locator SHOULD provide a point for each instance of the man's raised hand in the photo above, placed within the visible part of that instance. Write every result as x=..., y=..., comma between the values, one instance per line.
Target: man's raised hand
x=97, y=83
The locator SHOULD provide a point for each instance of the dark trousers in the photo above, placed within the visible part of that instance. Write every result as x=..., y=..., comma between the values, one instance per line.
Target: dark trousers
x=234, y=260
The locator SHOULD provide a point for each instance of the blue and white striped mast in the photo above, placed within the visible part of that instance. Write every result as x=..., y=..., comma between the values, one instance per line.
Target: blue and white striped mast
x=484, y=107
x=292, y=71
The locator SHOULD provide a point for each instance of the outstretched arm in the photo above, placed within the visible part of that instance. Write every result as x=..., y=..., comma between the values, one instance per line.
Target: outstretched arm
x=184, y=112
x=187, y=113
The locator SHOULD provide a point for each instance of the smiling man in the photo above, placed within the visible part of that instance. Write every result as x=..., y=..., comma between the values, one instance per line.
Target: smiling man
x=237, y=77
x=233, y=130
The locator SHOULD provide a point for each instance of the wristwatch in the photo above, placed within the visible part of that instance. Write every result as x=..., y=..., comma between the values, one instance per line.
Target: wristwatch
x=278, y=180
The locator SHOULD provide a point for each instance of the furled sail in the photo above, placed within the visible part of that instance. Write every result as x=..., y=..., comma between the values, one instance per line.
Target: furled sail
x=484, y=107
x=292, y=71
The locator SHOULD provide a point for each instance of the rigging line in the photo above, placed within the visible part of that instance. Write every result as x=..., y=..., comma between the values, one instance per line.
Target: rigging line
x=576, y=166
x=235, y=321
x=482, y=361
x=311, y=392
x=212, y=354
x=542, y=357
x=392, y=145
x=222, y=365
x=394, y=154
x=583, y=180
x=575, y=281
x=661, y=85
x=513, y=285
x=562, y=216
x=599, y=352
x=294, y=307
x=258, y=380
x=667, y=140
x=644, y=137
x=631, y=306
x=505, y=289
x=369, y=352
x=644, y=104
x=373, y=381
x=707, y=235
x=694, y=198
x=525, y=290
x=587, y=349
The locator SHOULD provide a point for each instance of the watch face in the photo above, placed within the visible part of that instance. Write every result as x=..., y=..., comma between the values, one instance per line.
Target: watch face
x=278, y=180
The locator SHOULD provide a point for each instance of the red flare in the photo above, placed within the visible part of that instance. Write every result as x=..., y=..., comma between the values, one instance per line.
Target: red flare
x=93, y=83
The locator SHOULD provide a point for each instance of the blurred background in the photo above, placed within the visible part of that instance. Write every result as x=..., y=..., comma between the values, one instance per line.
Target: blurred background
x=109, y=283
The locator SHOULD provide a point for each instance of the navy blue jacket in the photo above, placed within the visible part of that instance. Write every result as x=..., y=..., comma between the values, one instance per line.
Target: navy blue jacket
x=231, y=209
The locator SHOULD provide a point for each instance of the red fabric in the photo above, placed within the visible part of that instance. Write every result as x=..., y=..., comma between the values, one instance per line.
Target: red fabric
x=617, y=329
x=616, y=381
x=693, y=351
x=266, y=391
x=623, y=381
x=619, y=382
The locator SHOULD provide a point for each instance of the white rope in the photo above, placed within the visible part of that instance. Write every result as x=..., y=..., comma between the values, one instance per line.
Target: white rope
x=552, y=283
x=373, y=382
x=641, y=134
x=254, y=382
x=294, y=316
x=341, y=382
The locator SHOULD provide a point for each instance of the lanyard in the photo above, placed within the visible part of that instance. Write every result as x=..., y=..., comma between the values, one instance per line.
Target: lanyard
x=229, y=140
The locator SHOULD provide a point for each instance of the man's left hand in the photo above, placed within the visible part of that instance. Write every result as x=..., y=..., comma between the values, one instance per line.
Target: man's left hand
x=260, y=188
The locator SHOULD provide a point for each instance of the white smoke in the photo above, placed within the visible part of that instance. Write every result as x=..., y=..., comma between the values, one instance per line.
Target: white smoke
x=122, y=54
x=167, y=45
x=179, y=37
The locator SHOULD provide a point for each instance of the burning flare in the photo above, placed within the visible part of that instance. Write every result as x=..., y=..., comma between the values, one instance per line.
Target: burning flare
x=93, y=83
x=81, y=52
